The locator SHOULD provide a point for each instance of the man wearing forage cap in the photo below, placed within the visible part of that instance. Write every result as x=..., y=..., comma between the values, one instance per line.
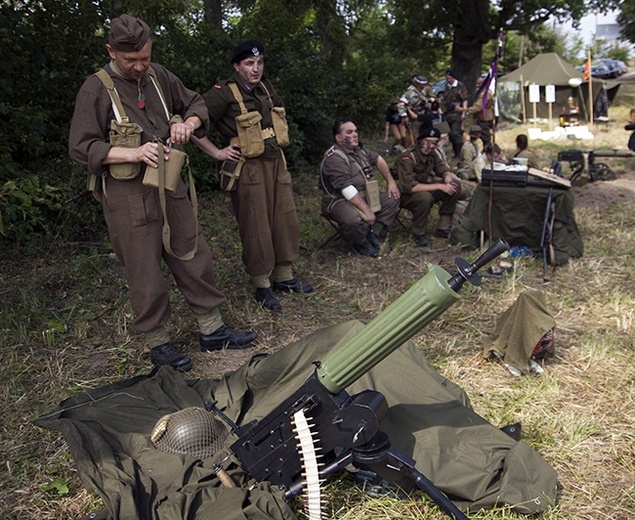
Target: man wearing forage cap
x=247, y=110
x=116, y=153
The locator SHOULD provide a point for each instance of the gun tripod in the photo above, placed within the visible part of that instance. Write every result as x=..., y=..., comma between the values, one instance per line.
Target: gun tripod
x=379, y=456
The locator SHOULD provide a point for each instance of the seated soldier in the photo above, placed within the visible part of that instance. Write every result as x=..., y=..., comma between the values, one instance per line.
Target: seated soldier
x=351, y=197
x=523, y=151
x=499, y=156
x=424, y=179
x=471, y=160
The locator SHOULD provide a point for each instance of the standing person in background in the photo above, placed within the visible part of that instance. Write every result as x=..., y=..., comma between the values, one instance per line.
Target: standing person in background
x=117, y=148
x=247, y=109
x=395, y=124
x=455, y=100
x=480, y=117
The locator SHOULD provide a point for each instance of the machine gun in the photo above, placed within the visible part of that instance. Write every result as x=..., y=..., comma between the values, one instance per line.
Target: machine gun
x=346, y=428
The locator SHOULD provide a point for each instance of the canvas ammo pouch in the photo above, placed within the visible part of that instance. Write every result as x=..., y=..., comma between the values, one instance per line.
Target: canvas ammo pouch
x=248, y=127
x=250, y=134
x=280, y=126
x=127, y=135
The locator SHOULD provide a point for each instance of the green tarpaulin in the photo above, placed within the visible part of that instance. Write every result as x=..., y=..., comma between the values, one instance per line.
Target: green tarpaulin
x=517, y=215
x=430, y=419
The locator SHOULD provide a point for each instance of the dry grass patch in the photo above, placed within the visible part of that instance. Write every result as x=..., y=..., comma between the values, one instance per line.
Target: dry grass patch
x=66, y=327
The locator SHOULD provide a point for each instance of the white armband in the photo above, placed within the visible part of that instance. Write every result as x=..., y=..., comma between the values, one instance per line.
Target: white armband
x=349, y=192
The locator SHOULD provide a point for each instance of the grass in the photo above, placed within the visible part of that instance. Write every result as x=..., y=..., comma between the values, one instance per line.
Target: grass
x=65, y=327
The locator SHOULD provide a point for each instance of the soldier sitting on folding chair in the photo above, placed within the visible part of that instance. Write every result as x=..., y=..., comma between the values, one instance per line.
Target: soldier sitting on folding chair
x=352, y=198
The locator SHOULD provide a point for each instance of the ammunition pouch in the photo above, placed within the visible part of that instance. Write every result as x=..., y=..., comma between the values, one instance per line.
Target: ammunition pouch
x=372, y=196
x=280, y=126
x=229, y=173
x=250, y=134
x=173, y=167
x=126, y=135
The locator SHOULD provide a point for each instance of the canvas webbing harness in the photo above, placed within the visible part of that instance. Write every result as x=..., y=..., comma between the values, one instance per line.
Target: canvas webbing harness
x=266, y=132
x=120, y=115
x=340, y=153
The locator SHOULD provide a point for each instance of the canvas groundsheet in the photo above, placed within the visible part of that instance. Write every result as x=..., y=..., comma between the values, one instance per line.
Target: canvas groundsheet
x=430, y=419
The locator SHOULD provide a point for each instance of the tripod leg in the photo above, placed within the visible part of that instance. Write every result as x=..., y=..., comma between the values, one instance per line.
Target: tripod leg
x=400, y=469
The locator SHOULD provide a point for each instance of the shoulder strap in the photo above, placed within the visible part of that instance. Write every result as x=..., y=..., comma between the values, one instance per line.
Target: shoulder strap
x=117, y=107
x=327, y=154
x=157, y=85
x=268, y=94
x=238, y=97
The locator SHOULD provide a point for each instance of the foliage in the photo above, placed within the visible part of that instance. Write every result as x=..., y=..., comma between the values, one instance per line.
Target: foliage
x=626, y=19
x=326, y=58
x=66, y=329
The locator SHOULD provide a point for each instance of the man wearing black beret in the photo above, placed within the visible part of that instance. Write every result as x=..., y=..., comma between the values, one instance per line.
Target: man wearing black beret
x=248, y=111
x=120, y=114
x=424, y=179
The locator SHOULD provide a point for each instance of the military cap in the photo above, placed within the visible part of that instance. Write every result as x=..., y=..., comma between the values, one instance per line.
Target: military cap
x=429, y=132
x=475, y=130
x=128, y=34
x=421, y=80
x=247, y=49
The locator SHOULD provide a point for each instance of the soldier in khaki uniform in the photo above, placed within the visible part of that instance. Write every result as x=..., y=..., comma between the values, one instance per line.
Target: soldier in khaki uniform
x=151, y=97
x=480, y=117
x=424, y=179
x=455, y=100
x=247, y=109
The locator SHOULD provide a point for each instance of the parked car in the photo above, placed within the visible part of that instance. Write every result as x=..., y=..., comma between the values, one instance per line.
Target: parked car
x=618, y=66
x=439, y=87
x=611, y=65
x=601, y=71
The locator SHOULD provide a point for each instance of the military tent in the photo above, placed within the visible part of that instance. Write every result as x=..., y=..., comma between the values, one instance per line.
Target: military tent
x=548, y=69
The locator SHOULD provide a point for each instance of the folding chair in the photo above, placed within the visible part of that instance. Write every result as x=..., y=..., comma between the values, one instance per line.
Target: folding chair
x=335, y=235
x=404, y=218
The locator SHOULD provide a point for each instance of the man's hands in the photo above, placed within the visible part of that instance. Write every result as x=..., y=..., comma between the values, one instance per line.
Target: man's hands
x=181, y=133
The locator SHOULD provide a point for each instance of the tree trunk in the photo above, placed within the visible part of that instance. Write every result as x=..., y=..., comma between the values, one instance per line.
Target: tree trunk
x=213, y=12
x=471, y=31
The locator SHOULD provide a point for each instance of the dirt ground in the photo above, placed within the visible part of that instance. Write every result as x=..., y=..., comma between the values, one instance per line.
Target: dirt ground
x=602, y=193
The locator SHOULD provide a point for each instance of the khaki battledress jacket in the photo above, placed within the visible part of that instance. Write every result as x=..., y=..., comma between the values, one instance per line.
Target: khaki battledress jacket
x=263, y=201
x=132, y=210
x=413, y=167
x=341, y=168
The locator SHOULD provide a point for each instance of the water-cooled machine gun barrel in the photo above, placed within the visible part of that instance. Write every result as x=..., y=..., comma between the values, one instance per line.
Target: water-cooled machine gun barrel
x=347, y=427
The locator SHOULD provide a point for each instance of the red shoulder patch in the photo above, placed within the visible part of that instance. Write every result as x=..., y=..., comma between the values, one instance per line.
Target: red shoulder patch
x=218, y=86
x=405, y=158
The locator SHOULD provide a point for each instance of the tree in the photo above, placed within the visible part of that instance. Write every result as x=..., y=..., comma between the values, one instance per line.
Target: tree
x=470, y=24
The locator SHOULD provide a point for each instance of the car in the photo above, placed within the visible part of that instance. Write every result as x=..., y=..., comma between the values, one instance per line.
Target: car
x=611, y=65
x=618, y=65
x=439, y=87
x=601, y=71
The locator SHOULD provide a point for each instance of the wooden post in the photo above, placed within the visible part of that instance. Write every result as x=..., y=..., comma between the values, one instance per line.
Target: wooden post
x=522, y=98
x=590, y=93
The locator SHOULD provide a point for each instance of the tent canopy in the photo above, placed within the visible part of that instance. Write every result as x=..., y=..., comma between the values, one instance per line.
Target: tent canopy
x=548, y=69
